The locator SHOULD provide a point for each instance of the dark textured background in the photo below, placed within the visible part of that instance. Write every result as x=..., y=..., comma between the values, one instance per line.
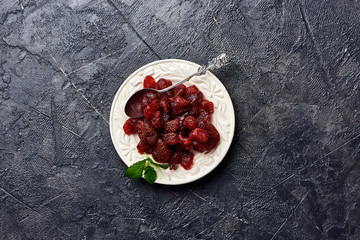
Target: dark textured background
x=292, y=171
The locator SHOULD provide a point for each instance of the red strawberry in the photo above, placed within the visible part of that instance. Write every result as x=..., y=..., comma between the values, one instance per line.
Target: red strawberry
x=161, y=152
x=174, y=160
x=157, y=120
x=150, y=110
x=207, y=106
x=170, y=138
x=213, y=135
x=191, y=90
x=199, y=134
x=195, y=99
x=165, y=104
x=203, y=115
x=190, y=122
x=179, y=90
x=149, y=82
x=147, y=99
x=172, y=125
x=185, y=142
x=178, y=104
x=130, y=126
x=146, y=133
x=163, y=83
x=186, y=159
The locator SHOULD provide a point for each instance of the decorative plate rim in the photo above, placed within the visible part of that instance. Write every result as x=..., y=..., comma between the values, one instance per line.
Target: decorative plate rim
x=116, y=102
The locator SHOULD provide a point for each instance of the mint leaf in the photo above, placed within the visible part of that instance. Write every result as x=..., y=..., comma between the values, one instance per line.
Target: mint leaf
x=135, y=170
x=150, y=174
x=164, y=166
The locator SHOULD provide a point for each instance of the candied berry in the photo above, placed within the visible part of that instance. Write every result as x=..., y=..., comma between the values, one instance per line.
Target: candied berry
x=157, y=120
x=174, y=160
x=165, y=104
x=186, y=159
x=130, y=126
x=161, y=152
x=179, y=90
x=178, y=101
x=149, y=82
x=203, y=115
x=190, y=122
x=163, y=83
x=149, y=148
x=194, y=111
x=178, y=104
x=199, y=146
x=195, y=99
x=150, y=109
x=207, y=106
x=146, y=133
x=170, y=138
x=214, y=136
x=185, y=142
x=147, y=98
x=191, y=90
x=172, y=125
x=199, y=134
x=141, y=147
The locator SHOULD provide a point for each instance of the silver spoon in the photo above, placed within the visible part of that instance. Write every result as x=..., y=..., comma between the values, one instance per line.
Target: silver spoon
x=133, y=105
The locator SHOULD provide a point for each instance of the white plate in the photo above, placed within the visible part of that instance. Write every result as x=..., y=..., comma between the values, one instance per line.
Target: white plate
x=213, y=90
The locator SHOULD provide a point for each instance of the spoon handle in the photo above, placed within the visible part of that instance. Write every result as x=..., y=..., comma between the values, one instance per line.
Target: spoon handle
x=215, y=63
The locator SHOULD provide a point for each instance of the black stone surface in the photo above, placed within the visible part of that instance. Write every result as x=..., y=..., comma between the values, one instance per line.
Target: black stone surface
x=292, y=171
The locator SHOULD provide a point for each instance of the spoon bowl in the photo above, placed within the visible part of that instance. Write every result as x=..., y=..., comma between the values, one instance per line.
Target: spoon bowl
x=133, y=105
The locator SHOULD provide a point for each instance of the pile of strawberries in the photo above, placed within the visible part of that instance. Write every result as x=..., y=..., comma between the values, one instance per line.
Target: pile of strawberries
x=174, y=123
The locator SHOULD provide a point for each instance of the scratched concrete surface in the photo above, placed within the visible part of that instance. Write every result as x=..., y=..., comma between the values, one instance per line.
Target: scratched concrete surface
x=292, y=171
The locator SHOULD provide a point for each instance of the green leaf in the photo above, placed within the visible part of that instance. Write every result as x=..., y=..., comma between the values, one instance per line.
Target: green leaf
x=164, y=166
x=135, y=170
x=150, y=174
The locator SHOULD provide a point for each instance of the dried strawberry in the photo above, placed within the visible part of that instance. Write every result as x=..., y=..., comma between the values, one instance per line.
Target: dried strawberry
x=203, y=115
x=149, y=82
x=157, y=120
x=179, y=90
x=178, y=104
x=186, y=159
x=170, y=138
x=213, y=134
x=146, y=133
x=150, y=109
x=207, y=105
x=141, y=147
x=185, y=142
x=199, y=134
x=147, y=99
x=190, y=122
x=194, y=111
x=165, y=104
x=191, y=90
x=172, y=125
x=161, y=152
x=174, y=160
x=195, y=99
x=130, y=126
x=199, y=146
x=163, y=83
